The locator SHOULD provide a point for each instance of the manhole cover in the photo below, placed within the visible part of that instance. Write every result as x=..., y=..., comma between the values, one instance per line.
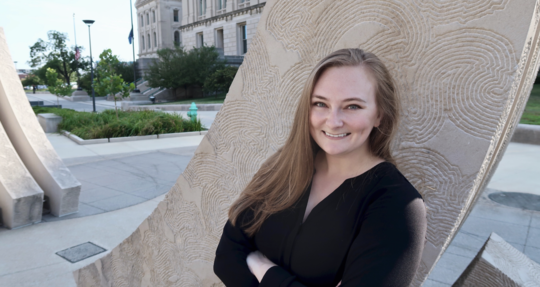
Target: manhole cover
x=80, y=252
x=517, y=199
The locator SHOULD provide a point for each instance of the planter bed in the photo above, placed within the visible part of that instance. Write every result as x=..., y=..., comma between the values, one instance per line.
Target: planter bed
x=80, y=141
x=108, y=127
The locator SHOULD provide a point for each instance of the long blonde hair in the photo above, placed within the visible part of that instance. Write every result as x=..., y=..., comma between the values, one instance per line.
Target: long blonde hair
x=284, y=176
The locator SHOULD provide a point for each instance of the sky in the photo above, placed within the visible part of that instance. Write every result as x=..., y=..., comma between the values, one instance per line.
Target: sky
x=25, y=21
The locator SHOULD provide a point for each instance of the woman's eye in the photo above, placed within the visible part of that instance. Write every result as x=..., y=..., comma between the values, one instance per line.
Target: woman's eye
x=354, y=107
x=319, y=104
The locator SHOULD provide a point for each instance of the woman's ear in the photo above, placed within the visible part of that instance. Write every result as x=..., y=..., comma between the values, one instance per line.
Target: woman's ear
x=379, y=119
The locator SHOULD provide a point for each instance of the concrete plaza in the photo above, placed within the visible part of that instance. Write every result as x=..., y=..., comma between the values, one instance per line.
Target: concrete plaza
x=124, y=182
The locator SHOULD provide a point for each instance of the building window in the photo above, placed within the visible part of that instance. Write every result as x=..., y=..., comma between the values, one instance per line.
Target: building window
x=219, y=39
x=153, y=16
x=177, y=38
x=242, y=33
x=243, y=3
x=155, y=40
x=147, y=19
x=175, y=15
x=149, y=42
x=142, y=42
x=202, y=7
x=142, y=21
x=200, y=40
x=221, y=4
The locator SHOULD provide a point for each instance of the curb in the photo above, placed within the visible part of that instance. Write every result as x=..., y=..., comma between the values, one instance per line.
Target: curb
x=80, y=141
x=528, y=134
x=201, y=108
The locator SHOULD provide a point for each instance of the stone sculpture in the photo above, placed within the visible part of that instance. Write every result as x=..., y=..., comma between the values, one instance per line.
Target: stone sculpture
x=500, y=264
x=464, y=72
x=30, y=142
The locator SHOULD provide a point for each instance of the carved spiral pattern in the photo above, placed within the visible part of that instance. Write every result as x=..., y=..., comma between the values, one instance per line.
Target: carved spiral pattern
x=460, y=74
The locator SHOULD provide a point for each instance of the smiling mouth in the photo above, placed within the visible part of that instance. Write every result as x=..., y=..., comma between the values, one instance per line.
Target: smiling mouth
x=336, y=136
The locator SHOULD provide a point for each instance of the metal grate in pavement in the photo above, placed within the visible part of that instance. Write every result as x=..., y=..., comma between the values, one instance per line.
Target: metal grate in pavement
x=517, y=199
x=80, y=252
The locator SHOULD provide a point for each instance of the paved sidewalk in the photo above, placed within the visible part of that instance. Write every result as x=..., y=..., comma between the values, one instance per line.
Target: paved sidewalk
x=122, y=183
x=518, y=171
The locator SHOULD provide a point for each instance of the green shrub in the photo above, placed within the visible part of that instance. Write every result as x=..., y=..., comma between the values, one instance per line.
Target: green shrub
x=531, y=114
x=88, y=125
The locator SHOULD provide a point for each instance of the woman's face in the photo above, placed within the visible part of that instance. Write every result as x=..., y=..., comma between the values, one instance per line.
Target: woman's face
x=343, y=110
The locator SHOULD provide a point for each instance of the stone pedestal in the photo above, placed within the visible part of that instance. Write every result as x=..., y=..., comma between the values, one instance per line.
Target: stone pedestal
x=137, y=97
x=31, y=143
x=49, y=122
x=79, y=96
x=500, y=264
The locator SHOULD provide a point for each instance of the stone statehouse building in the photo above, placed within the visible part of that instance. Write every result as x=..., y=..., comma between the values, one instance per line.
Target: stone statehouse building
x=228, y=25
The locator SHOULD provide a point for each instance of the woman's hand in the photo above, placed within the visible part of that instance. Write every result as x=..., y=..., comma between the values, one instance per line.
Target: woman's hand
x=258, y=264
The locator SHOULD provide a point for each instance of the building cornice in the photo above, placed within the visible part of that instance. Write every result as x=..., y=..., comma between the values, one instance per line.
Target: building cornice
x=141, y=3
x=226, y=16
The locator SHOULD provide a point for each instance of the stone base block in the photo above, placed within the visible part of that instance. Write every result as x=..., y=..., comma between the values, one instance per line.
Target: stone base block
x=78, y=98
x=21, y=198
x=529, y=134
x=136, y=97
x=49, y=122
x=500, y=264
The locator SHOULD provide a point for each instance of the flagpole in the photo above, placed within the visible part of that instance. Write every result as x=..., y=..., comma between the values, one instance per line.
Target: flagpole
x=76, y=49
x=133, y=46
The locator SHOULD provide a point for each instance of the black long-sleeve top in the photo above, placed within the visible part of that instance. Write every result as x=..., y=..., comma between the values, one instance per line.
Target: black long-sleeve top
x=368, y=232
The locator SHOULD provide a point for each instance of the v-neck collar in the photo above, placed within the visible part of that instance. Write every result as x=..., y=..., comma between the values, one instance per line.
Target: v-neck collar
x=325, y=200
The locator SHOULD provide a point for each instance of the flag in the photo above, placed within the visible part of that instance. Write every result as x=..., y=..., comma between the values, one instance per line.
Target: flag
x=130, y=38
x=77, y=54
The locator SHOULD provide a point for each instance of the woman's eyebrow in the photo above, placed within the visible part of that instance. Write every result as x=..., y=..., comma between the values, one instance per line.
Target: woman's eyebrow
x=320, y=97
x=346, y=100
x=354, y=99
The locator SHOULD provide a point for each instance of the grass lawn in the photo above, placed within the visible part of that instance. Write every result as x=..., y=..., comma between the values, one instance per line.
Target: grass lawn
x=210, y=100
x=531, y=115
x=87, y=125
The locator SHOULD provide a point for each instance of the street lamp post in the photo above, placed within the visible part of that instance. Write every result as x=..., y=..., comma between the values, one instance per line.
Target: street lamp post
x=90, y=22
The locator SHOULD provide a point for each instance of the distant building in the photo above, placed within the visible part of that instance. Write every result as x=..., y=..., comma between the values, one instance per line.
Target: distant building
x=228, y=25
x=25, y=71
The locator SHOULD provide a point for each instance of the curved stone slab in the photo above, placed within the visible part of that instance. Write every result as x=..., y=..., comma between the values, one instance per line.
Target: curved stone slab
x=21, y=198
x=500, y=264
x=464, y=72
x=31, y=143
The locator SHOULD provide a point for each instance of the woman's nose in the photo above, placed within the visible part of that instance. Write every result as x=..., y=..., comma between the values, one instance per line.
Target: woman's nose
x=334, y=119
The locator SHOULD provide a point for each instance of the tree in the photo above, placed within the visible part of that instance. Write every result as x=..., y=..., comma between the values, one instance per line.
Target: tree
x=56, y=86
x=177, y=68
x=31, y=80
x=56, y=55
x=220, y=80
x=125, y=70
x=170, y=71
x=110, y=82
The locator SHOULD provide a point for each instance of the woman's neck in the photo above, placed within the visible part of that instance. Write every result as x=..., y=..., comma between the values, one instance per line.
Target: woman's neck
x=346, y=166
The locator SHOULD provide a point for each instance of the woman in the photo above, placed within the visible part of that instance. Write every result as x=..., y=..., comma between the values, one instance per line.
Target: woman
x=330, y=208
